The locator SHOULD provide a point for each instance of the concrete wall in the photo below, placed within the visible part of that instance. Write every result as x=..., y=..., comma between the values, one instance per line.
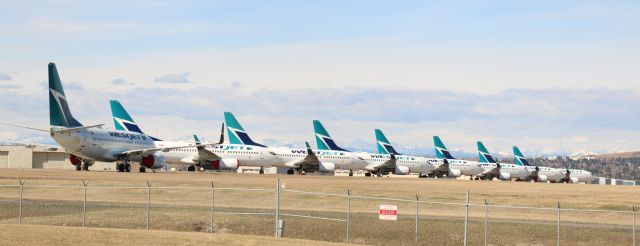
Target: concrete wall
x=4, y=159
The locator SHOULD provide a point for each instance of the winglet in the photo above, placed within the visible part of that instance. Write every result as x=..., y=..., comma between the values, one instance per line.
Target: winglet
x=309, y=151
x=221, y=141
x=195, y=138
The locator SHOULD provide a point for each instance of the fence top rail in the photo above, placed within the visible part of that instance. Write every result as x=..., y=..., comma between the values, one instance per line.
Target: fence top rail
x=313, y=217
x=244, y=189
x=384, y=198
x=552, y=208
x=314, y=193
x=137, y=187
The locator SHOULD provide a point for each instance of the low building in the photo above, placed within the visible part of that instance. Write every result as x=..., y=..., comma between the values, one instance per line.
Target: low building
x=39, y=157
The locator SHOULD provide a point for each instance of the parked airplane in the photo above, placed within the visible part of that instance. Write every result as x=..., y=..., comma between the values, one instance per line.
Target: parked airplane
x=493, y=169
x=447, y=165
x=326, y=159
x=219, y=156
x=536, y=173
x=388, y=160
x=576, y=176
x=87, y=144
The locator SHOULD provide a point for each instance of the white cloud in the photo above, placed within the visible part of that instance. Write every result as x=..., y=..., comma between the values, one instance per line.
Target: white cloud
x=4, y=76
x=118, y=82
x=173, y=78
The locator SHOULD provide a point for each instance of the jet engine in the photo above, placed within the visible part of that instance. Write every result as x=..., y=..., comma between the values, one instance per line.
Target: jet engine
x=401, y=170
x=542, y=178
x=75, y=160
x=327, y=167
x=574, y=180
x=154, y=161
x=225, y=164
x=505, y=176
x=455, y=172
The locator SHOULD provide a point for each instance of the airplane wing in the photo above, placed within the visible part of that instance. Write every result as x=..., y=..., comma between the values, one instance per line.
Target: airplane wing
x=161, y=149
x=391, y=163
x=26, y=127
x=63, y=130
x=495, y=170
x=31, y=145
x=310, y=161
x=444, y=167
x=205, y=154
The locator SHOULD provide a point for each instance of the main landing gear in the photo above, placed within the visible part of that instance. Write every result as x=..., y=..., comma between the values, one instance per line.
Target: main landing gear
x=125, y=166
x=261, y=170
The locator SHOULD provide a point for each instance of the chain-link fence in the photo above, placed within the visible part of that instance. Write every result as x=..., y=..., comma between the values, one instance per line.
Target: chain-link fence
x=282, y=212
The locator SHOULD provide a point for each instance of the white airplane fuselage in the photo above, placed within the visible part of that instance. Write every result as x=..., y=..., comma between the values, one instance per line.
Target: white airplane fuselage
x=552, y=174
x=464, y=167
x=414, y=164
x=100, y=144
x=579, y=175
x=514, y=171
x=341, y=159
x=244, y=155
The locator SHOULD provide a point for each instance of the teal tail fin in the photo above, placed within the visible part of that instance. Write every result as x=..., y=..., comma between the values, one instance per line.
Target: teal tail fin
x=518, y=157
x=483, y=155
x=196, y=139
x=59, y=112
x=323, y=140
x=441, y=150
x=384, y=146
x=237, y=134
x=121, y=119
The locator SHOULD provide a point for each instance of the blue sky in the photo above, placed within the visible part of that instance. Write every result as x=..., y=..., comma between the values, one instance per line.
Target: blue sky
x=554, y=76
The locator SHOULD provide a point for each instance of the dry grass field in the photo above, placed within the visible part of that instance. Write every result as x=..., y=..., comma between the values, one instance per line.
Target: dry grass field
x=182, y=208
x=58, y=235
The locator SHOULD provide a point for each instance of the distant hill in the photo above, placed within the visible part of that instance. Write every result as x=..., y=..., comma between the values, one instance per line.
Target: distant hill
x=634, y=154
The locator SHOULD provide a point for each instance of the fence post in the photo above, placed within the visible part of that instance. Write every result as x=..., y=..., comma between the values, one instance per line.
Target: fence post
x=558, y=226
x=21, y=199
x=348, y=215
x=486, y=217
x=277, y=210
x=148, y=203
x=213, y=206
x=84, y=203
x=417, y=234
x=466, y=218
x=634, y=225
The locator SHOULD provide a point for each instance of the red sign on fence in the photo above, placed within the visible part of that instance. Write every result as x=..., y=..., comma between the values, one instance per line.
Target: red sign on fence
x=388, y=212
